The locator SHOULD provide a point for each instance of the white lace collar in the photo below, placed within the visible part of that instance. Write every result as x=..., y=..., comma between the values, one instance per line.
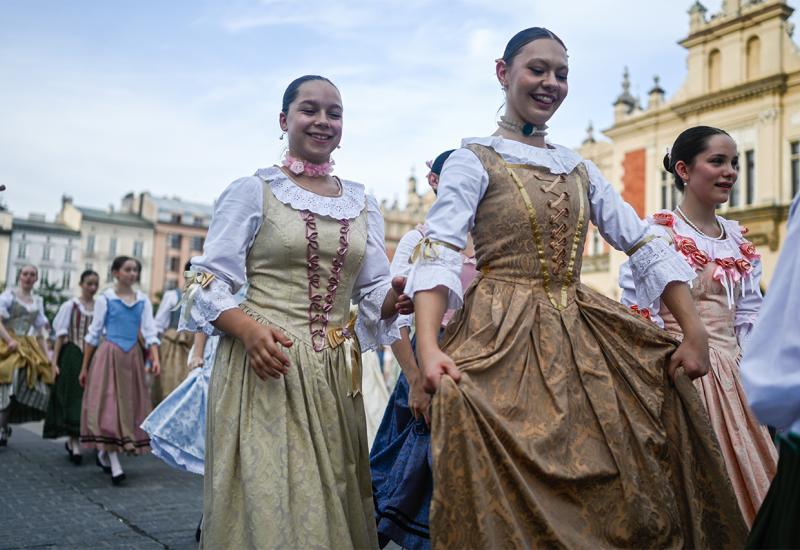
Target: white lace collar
x=346, y=206
x=556, y=158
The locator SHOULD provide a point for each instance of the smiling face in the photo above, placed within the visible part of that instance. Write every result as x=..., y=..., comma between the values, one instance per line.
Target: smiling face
x=313, y=122
x=713, y=172
x=28, y=276
x=128, y=273
x=535, y=81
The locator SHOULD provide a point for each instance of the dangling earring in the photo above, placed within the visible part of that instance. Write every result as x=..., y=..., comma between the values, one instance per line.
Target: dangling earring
x=338, y=146
x=282, y=136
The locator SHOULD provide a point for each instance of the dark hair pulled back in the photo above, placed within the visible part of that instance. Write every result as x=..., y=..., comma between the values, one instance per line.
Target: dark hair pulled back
x=88, y=273
x=524, y=37
x=690, y=143
x=291, y=90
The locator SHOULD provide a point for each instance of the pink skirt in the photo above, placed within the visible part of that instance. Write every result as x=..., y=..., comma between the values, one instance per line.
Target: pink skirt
x=750, y=454
x=116, y=401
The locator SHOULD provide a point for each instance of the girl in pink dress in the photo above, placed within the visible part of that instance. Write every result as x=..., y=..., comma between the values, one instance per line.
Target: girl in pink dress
x=705, y=164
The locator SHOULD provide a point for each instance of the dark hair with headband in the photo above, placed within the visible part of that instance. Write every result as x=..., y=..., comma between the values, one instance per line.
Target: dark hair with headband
x=519, y=40
x=291, y=91
x=690, y=143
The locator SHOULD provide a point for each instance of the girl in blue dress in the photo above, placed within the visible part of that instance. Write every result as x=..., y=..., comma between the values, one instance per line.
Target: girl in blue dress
x=116, y=399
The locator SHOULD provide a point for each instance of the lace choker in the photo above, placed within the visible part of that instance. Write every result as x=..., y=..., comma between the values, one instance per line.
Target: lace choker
x=299, y=166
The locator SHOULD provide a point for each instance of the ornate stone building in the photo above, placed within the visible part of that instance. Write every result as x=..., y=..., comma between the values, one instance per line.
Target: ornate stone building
x=398, y=221
x=743, y=75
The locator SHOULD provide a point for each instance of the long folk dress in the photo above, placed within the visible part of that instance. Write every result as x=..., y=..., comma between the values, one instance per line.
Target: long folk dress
x=286, y=459
x=116, y=400
x=727, y=296
x=173, y=350
x=771, y=378
x=565, y=429
x=64, y=411
x=24, y=372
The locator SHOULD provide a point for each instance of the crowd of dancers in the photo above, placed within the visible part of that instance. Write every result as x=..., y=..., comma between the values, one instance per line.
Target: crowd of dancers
x=531, y=410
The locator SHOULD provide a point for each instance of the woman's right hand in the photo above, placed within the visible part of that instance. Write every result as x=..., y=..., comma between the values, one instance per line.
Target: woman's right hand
x=266, y=359
x=435, y=364
x=82, y=378
x=418, y=400
x=12, y=345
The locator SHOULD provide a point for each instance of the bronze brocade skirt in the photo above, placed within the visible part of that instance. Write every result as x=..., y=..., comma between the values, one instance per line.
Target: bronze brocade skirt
x=565, y=431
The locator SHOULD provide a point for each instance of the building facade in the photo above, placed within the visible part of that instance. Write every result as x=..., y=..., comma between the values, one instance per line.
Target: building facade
x=106, y=234
x=180, y=230
x=743, y=75
x=398, y=221
x=53, y=248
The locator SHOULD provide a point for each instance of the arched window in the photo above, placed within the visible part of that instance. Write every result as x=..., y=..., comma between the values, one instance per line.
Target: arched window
x=753, y=57
x=714, y=70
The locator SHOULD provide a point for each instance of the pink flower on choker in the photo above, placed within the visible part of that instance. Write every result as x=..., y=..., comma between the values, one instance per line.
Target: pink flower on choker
x=298, y=166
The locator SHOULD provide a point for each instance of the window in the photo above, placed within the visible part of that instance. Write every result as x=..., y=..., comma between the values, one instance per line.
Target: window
x=670, y=196
x=174, y=264
x=46, y=252
x=749, y=176
x=597, y=242
x=174, y=241
x=197, y=243
x=753, y=56
x=90, y=244
x=112, y=246
x=65, y=279
x=44, y=276
x=138, y=249
x=733, y=201
x=89, y=265
x=714, y=70
x=22, y=251
x=794, y=149
x=68, y=254
x=171, y=284
x=175, y=218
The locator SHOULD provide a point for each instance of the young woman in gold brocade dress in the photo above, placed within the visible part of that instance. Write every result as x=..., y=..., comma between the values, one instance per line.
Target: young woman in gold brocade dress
x=560, y=419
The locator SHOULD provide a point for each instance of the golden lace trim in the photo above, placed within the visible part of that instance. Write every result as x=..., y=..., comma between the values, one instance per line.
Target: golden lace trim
x=427, y=249
x=537, y=239
x=576, y=241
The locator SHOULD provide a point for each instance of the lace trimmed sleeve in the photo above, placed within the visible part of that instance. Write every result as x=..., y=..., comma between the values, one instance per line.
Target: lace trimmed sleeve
x=653, y=262
x=436, y=260
x=220, y=272
x=371, y=286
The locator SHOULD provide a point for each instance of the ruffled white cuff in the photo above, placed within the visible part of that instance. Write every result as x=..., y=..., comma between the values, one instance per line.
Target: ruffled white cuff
x=743, y=327
x=372, y=331
x=654, y=266
x=405, y=321
x=207, y=305
x=441, y=269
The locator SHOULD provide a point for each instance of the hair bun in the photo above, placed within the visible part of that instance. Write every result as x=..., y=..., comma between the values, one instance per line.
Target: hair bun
x=667, y=163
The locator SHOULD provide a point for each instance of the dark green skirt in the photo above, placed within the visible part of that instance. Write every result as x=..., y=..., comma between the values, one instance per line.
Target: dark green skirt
x=64, y=410
x=777, y=524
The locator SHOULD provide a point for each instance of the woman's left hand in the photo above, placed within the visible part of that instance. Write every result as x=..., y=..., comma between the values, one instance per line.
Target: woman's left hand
x=155, y=367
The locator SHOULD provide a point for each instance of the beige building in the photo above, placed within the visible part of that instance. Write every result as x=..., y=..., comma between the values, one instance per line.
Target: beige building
x=180, y=229
x=398, y=221
x=743, y=75
x=106, y=234
x=6, y=222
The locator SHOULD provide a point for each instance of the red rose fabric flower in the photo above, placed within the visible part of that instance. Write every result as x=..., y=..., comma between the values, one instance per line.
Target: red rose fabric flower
x=696, y=257
x=664, y=218
x=749, y=251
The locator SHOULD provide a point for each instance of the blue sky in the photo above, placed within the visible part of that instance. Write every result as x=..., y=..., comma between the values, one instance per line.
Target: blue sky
x=181, y=97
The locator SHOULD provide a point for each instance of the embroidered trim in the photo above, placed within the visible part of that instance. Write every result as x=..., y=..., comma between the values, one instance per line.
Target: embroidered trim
x=537, y=237
x=576, y=241
x=348, y=205
x=320, y=305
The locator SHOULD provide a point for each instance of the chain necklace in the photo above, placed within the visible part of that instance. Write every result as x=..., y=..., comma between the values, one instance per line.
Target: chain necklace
x=526, y=130
x=693, y=226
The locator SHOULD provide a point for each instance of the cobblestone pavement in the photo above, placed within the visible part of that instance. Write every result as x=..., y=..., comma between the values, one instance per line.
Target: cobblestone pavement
x=47, y=502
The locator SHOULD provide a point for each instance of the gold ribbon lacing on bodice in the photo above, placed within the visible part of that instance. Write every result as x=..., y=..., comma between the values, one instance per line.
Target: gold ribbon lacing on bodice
x=559, y=204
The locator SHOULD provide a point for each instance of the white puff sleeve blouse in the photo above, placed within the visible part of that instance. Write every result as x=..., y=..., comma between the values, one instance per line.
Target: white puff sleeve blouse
x=463, y=183
x=237, y=219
